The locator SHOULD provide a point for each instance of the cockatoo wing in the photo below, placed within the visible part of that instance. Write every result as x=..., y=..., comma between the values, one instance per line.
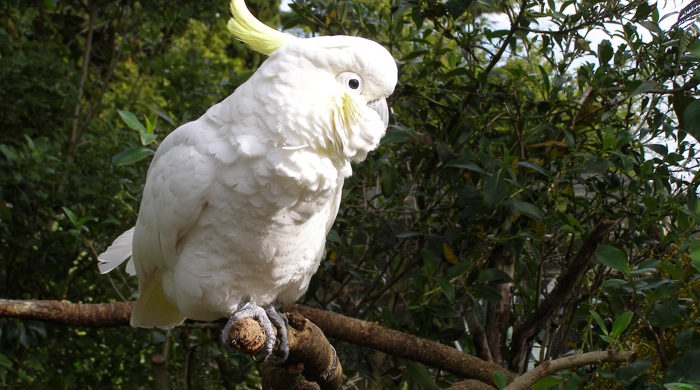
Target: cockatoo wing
x=117, y=253
x=177, y=184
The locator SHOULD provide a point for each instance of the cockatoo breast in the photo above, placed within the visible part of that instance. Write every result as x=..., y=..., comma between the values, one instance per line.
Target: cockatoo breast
x=261, y=231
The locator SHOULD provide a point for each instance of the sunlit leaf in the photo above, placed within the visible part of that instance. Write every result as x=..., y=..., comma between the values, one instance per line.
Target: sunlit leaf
x=131, y=156
x=131, y=121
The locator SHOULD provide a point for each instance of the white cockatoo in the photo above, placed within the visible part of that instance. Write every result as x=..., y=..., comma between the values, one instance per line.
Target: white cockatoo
x=237, y=204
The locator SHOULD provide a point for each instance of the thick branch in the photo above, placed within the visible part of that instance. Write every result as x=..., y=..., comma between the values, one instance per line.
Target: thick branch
x=67, y=313
x=310, y=355
x=401, y=344
x=526, y=380
x=568, y=281
x=348, y=329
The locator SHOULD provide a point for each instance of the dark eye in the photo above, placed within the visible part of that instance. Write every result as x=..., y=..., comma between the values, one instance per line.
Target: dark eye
x=351, y=81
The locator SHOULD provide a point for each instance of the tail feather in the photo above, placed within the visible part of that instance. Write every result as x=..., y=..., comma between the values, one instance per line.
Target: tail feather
x=117, y=253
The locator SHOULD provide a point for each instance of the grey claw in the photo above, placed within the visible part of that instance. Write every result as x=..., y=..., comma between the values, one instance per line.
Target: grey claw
x=280, y=322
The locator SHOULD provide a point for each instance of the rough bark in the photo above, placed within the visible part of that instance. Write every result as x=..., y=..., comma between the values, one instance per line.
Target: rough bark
x=340, y=327
x=498, y=312
x=312, y=361
x=305, y=337
x=67, y=313
x=529, y=378
x=400, y=344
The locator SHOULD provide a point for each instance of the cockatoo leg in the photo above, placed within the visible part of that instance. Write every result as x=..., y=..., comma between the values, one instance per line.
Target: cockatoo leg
x=267, y=317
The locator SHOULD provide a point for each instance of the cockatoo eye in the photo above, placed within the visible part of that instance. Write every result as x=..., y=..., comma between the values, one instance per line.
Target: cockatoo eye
x=350, y=80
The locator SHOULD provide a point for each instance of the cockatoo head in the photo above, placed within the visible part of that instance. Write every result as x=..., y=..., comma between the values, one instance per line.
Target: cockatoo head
x=332, y=89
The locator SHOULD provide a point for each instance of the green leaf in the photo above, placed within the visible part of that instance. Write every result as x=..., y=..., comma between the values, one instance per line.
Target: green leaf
x=407, y=234
x=694, y=48
x=389, y=178
x=462, y=164
x=71, y=216
x=420, y=376
x=599, y=320
x=447, y=288
x=680, y=386
x=691, y=119
x=534, y=167
x=527, y=209
x=495, y=190
x=667, y=313
x=5, y=361
x=458, y=7
x=615, y=283
x=131, y=156
x=608, y=339
x=628, y=374
x=487, y=275
x=651, y=26
x=685, y=368
x=605, y=52
x=660, y=149
x=131, y=121
x=612, y=257
x=644, y=87
x=695, y=255
x=621, y=323
x=547, y=382
x=688, y=341
x=500, y=379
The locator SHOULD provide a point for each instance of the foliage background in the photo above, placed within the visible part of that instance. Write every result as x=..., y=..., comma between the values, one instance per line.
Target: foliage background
x=507, y=148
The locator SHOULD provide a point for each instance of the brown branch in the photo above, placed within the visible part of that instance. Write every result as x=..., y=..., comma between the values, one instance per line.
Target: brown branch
x=498, y=312
x=312, y=359
x=67, y=313
x=525, y=331
x=340, y=327
x=401, y=344
x=526, y=380
x=658, y=91
x=506, y=41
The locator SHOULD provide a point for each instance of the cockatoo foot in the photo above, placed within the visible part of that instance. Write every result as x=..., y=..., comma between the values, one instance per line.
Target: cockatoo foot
x=267, y=317
x=280, y=322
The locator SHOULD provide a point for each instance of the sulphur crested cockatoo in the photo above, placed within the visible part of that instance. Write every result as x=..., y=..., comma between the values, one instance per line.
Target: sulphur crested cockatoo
x=237, y=204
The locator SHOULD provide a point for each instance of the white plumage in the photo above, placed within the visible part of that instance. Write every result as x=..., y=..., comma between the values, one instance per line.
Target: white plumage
x=237, y=204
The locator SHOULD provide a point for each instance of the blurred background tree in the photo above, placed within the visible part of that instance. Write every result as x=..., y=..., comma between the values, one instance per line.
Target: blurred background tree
x=535, y=193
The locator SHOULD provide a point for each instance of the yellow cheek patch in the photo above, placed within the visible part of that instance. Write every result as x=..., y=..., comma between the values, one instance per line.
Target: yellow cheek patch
x=344, y=117
x=350, y=113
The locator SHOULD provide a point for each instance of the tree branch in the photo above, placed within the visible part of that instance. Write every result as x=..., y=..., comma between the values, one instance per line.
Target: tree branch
x=334, y=325
x=525, y=331
x=67, y=313
x=513, y=28
x=529, y=378
x=498, y=312
x=401, y=344
x=312, y=359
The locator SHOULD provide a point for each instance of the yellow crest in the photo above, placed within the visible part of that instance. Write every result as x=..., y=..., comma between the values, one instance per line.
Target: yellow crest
x=253, y=32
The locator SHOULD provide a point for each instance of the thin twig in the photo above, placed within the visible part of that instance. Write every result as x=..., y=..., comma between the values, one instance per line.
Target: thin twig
x=526, y=380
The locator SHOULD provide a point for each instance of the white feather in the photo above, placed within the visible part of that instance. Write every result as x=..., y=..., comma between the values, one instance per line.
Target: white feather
x=117, y=253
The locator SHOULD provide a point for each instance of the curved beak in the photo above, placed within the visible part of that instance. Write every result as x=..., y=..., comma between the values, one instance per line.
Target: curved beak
x=382, y=109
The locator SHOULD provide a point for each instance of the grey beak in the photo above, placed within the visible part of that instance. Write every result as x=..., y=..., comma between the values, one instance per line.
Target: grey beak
x=382, y=109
